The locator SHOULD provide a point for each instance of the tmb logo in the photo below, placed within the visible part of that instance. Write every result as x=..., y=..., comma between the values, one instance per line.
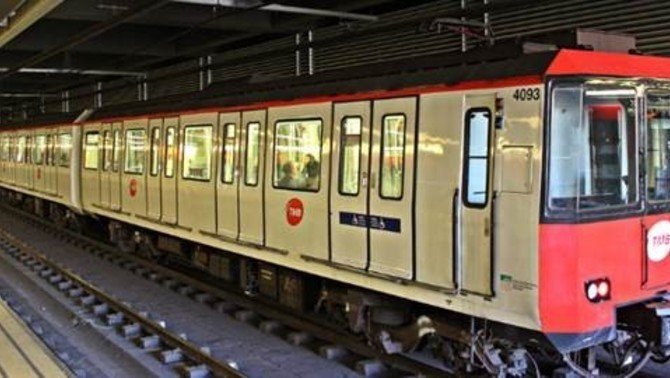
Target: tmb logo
x=658, y=241
x=294, y=211
x=132, y=188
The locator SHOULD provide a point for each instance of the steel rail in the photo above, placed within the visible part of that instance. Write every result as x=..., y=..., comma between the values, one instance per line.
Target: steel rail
x=189, y=349
x=289, y=319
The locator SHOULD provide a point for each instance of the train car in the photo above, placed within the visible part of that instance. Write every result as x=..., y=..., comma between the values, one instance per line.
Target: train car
x=478, y=201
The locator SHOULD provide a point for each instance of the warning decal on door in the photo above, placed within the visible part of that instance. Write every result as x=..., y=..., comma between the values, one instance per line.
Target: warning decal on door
x=370, y=221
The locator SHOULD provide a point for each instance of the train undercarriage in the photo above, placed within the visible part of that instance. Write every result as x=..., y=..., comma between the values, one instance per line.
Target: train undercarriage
x=461, y=344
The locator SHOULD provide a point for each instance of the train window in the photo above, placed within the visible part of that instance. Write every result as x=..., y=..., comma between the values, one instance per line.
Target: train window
x=21, y=149
x=40, y=149
x=64, y=149
x=476, y=157
x=392, y=157
x=228, y=155
x=116, y=151
x=658, y=146
x=252, y=154
x=91, y=145
x=107, y=151
x=170, y=151
x=593, y=158
x=297, y=155
x=135, y=151
x=155, y=148
x=197, y=153
x=350, y=155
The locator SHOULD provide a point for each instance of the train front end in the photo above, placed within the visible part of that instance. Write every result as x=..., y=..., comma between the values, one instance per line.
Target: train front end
x=605, y=233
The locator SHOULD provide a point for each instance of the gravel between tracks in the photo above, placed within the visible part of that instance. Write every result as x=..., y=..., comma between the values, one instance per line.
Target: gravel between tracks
x=256, y=353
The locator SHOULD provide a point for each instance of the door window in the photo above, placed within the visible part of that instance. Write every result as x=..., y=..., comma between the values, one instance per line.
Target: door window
x=91, y=142
x=21, y=150
x=392, y=157
x=29, y=150
x=5, y=149
x=107, y=151
x=197, y=153
x=116, y=151
x=252, y=154
x=170, y=151
x=135, y=151
x=350, y=155
x=297, y=157
x=40, y=149
x=155, y=148
x=51, y=151
x=228, y=155
x=476, y=157
x=64, y=149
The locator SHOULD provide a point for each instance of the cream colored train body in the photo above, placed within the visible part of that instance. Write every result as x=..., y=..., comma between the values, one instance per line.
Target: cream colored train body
x=417, y=260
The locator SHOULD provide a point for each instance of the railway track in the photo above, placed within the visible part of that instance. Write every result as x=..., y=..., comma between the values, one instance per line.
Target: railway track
x=298, y=330
x=186, y=358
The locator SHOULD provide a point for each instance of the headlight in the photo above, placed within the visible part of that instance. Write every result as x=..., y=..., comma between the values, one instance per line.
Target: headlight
x=598, y=290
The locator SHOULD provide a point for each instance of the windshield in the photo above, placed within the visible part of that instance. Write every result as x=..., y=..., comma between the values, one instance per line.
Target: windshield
x=658, y=146
x=592, y=148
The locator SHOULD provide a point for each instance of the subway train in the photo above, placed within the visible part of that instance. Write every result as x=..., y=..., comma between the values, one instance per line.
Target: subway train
x=508, y=209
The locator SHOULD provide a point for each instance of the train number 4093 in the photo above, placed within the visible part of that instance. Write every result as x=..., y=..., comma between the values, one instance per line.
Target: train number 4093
x=527, y=94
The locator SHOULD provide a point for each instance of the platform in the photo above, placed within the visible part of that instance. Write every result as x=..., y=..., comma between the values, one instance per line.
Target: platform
x=22, y=354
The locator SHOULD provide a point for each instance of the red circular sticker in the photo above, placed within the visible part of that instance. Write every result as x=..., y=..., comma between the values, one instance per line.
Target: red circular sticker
x=294, y=211
x=132, y=188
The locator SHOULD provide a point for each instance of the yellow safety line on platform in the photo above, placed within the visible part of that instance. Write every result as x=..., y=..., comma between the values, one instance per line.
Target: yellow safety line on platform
x=22, y=354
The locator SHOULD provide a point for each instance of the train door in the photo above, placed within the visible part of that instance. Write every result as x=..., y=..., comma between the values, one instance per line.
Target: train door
x=391, y=187
x=90, y=156
x=349, y=184
x=477, y=195
x=115, y=170
x=228, y=182
x=134, y=168
x=169, y=176
x=252, y=158
x=155, y=167
x=106, y=171
x=197, y=188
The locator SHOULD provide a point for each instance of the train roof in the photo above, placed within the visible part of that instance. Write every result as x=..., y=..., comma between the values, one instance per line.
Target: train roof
x=445, y=70
x=483, y=66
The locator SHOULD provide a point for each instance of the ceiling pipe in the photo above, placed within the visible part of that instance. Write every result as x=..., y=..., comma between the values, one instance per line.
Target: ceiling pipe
x=69, y=71
x=26, y=95
x=274, y=7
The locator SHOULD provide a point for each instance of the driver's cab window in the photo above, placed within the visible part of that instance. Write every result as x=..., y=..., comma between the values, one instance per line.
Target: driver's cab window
x=658, y=146
x=593, y=148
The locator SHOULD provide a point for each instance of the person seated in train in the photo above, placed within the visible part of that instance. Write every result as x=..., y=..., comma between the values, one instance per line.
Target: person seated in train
x=291, y=178
x=311, y=171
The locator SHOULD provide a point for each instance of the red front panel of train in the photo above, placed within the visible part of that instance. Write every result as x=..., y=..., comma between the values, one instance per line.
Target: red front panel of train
x=631, y=253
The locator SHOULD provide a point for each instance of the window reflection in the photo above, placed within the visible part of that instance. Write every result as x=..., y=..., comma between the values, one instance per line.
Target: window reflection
x=297, y=155
x=392, y=157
